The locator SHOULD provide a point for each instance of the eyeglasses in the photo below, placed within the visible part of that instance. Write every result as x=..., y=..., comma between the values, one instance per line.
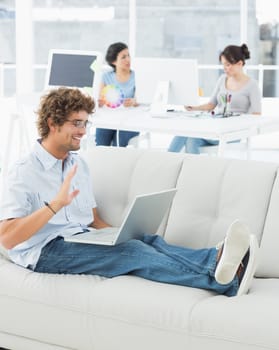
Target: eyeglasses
x=80, y=123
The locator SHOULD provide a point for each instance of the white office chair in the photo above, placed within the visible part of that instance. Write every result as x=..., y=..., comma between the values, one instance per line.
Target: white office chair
x=137, y=141
x=22, y=132
x=243, y=146
x=88, y=141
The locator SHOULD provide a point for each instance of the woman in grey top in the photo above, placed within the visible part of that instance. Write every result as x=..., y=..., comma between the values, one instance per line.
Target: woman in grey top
x=235, y=92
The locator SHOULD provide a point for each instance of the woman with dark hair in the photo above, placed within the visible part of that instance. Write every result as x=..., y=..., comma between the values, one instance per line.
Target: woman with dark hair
x=123, y=78
x=234, y=90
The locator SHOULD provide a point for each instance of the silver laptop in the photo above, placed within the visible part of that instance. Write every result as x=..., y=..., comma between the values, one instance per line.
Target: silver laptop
x=144, y=216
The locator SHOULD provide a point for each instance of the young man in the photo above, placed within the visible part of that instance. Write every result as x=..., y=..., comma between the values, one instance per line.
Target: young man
x=48, y=196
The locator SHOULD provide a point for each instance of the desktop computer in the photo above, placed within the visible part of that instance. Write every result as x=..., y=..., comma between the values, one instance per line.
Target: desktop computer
x=166, y=83
x=75, y=68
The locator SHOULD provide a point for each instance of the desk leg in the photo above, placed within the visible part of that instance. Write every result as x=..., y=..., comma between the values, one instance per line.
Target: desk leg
x=221, y=148
x=248, y=148
x=148, y=136
x=117, y=137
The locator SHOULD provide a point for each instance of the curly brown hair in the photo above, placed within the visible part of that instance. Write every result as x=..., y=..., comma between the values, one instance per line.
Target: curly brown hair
x=58, y=104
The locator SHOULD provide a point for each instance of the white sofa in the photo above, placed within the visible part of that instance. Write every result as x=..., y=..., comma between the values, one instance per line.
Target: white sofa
x=41, y=311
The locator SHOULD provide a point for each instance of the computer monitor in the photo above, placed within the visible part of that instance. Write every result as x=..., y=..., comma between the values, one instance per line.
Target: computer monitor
x=181, y=75
x=74, y=68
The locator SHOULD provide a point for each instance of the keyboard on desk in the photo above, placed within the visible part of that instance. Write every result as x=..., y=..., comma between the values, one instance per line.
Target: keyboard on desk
x=175, y=114
x=167, y=114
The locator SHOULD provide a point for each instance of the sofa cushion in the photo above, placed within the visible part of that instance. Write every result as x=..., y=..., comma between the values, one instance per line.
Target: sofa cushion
x=134, y=172
x=139, y=312
x=78, y=312
x=213, y=192
x=49, y=308
x=246, y=322
x=168, y=305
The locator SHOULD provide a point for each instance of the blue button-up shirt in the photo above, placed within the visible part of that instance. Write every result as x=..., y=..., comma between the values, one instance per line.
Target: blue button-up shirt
x=37, y=179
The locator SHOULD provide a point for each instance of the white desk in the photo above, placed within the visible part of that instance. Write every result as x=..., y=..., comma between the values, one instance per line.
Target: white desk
x=221, y=129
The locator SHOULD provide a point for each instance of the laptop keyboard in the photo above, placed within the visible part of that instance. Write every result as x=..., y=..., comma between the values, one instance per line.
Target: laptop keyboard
x=106, y=232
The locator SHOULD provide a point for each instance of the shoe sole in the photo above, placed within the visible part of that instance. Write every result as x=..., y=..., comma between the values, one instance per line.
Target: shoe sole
x=236, y=245
x=250, y=268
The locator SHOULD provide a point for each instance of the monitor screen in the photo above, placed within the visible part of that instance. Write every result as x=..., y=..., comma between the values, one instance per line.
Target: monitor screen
x=80, y=69
x=182, y=75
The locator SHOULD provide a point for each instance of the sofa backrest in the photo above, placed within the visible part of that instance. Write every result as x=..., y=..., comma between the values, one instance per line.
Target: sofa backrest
x=269, y=252
x=119, y=174
x=212, y=192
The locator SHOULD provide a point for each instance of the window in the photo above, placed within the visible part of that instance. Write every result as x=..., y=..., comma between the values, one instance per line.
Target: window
x=7, y=44
x=268, y=22
x=86, y=25
x=178, y=28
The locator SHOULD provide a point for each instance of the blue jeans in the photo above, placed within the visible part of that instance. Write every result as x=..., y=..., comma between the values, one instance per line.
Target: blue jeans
x=192, y=144
x=150, y=258
x=108, y=137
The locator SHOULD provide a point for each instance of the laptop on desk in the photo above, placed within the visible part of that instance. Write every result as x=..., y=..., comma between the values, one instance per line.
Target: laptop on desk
x=144, y=216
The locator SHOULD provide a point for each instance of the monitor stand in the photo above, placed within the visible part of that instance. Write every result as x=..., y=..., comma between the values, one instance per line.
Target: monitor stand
x=160, y=99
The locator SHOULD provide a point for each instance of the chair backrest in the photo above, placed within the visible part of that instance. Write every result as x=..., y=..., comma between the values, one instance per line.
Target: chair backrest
x=137, y=141
x=235, y=147
x=21, y=130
